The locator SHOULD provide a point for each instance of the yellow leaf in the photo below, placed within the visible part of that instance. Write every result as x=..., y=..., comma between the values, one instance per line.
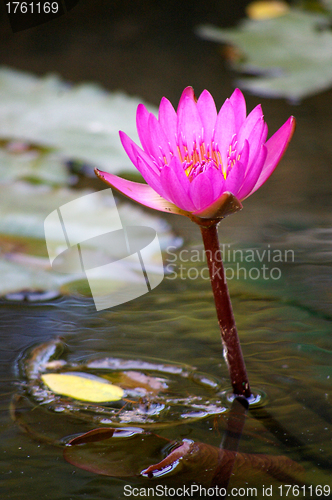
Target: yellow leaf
x=266, y=9
x=82, y=386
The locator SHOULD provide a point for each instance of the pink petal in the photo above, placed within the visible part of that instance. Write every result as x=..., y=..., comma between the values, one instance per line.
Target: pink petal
x=151, y=135
x=255, y=140
x=142, y=193
x=157, y=140
x=190, y=127
x=169, y=123
x=217, y=181
x=134, y=152
x=276, y=146
x=147, y=168
x=244, y=156
x=249, y=123
x=176, y=185
x=128, y=145
x=149, y=175
x=264, y=133
x=201, y=190
x=253, y=174
x=188, y=92
x=224, y=131
x=208, y=114
x=235, y=178
x=239, y=105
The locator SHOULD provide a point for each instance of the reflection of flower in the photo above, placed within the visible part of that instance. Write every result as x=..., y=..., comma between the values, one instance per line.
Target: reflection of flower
x=194, y=160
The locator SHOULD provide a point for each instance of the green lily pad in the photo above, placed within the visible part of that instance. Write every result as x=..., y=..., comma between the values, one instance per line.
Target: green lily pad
x=327, y=4
x=80, y=122
x=24, y=260
x=32, y=164
x=291, y=54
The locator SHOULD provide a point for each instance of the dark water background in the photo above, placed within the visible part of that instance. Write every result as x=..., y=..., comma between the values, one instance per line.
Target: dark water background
x=149, y=49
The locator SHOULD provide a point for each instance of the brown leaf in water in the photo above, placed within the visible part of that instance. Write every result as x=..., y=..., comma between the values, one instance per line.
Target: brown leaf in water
x=136, y=380
x=199, y=461
x=93, y=436
x=111, y=456
x=195, y=462
x=102, y=433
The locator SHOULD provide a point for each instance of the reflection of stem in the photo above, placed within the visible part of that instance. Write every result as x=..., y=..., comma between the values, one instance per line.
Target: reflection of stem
x=231, y=441
x=232, y=349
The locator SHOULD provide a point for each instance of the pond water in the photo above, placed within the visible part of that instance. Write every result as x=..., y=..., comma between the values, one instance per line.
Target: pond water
x=285, y=330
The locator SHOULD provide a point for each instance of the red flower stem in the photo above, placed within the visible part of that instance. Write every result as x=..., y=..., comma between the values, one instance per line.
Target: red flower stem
x=235, y=423
x=229, y=336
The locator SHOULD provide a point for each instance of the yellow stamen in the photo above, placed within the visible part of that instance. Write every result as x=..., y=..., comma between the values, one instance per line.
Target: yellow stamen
x=188, y=170
x=180, y=155
x=202, y=150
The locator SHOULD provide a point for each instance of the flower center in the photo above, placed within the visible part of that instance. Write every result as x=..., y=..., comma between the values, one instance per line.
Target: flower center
x=201, y=158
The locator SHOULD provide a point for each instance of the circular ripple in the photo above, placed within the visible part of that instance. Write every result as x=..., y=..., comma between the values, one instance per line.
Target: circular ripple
x=257, y=399
x=155, y=392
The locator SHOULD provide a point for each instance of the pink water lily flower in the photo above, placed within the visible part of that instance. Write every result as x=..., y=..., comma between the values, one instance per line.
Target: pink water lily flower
x=198, y=162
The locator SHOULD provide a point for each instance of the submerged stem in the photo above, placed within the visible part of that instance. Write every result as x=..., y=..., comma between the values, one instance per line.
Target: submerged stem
x=230, y=339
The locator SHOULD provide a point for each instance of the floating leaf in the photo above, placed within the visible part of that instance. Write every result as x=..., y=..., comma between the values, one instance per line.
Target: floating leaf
x=292, y=54
x=103, y=433
x=266, y=9
x=82, y=386
x=24, y=261
x=79, y=121
x=327, y=4
x=112, y=456
x=178, y=394
x=32, y=164
x=194, y=462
